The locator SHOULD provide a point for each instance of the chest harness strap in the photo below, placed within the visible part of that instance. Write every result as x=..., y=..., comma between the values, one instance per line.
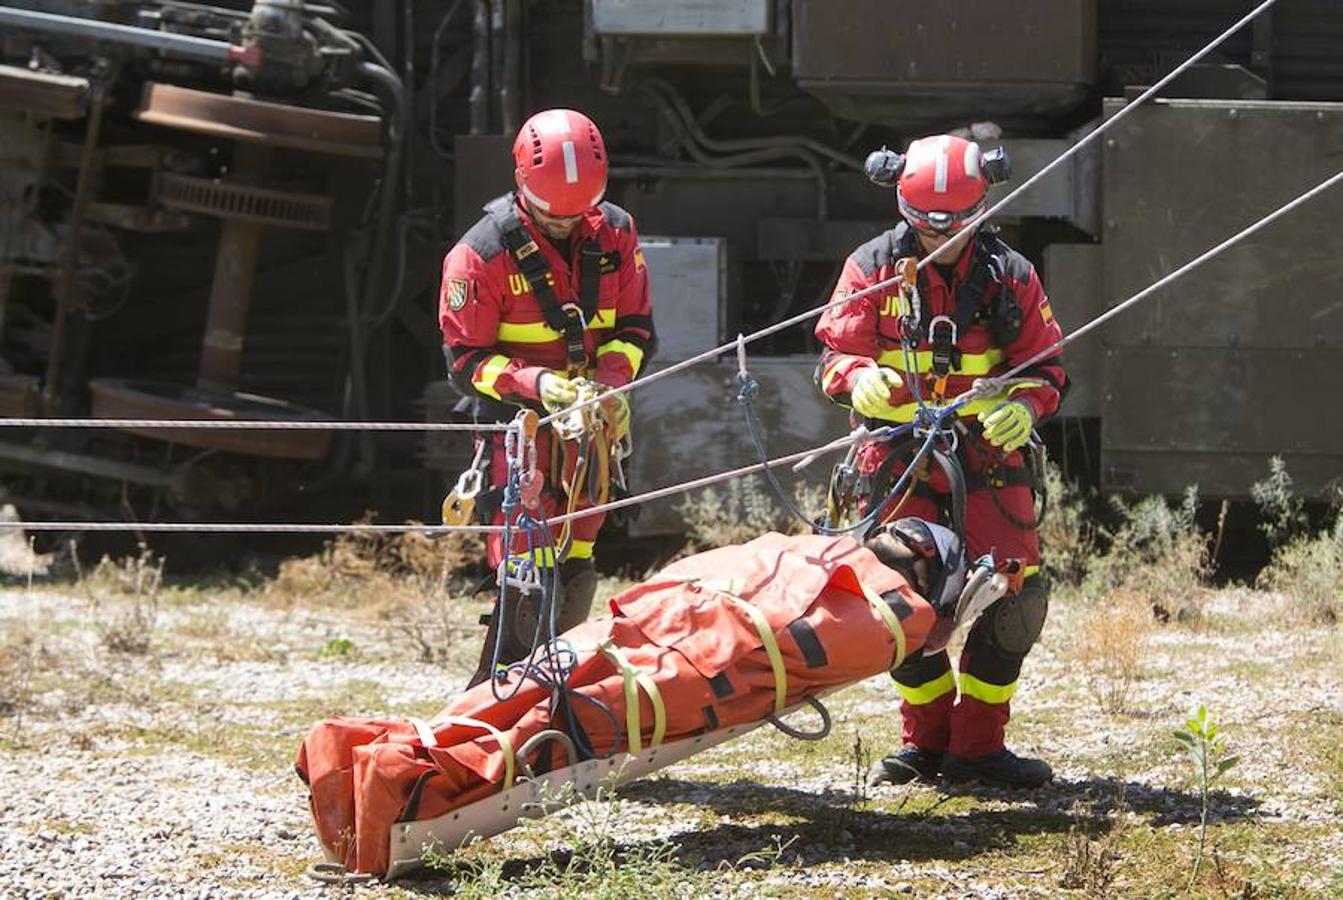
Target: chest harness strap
x=569, y=319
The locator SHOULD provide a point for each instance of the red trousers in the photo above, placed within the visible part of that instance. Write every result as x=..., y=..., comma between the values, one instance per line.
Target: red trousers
x=999, y=517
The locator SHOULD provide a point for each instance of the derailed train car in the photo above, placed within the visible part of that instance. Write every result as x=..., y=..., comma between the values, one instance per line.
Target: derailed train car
x=238, y=210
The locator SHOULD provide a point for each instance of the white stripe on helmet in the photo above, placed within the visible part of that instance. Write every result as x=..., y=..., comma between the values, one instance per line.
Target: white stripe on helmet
x=534, y=200
x=570, y=162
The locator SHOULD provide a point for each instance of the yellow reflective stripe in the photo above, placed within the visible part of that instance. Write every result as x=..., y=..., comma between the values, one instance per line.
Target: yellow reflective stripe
x=1029, y=571
x=545, y=556
x=905, y=412
x=504, y=744
x=540, y=332
x=772, y=651
x=892, y=622
x=988, y=693
x=923, y=694
x=634, y=679
x=625, y=349
x=527, y=333
x=488, y=373
x=971, y=363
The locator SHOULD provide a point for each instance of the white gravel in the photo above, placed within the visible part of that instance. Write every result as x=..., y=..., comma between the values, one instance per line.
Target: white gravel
x=111, y=784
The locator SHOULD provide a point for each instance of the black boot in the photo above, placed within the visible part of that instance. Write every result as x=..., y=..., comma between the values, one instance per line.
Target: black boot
x=519, y=625
x=579, y=580
x=903, y=767
x=1001, y=769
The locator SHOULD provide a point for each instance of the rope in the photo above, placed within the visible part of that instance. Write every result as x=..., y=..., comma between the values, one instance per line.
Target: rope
x=1163, y=281
x=983, y=387
x=413, y=528
x=249, y=425
x=934, y=254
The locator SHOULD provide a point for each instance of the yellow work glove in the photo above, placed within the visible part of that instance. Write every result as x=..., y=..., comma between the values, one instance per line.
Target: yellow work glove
x=871, y=394
x=557, y=392
x=617, y=409
x=1008, y=425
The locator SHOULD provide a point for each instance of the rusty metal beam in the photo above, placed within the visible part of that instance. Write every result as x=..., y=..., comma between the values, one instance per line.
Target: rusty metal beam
x=259, y=122
x=54, y=96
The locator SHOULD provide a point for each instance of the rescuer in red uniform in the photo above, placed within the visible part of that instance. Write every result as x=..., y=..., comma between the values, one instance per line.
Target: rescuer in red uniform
x=549, y=289
x=981, y=310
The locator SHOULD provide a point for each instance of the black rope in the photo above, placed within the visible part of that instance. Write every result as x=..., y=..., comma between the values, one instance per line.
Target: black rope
x=748, y=388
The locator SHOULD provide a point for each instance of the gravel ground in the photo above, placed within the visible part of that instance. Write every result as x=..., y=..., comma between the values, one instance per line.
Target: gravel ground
x=167, y=773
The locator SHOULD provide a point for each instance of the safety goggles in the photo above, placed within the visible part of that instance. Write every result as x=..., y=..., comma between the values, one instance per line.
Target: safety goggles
x=546, y=218
x=938, y=222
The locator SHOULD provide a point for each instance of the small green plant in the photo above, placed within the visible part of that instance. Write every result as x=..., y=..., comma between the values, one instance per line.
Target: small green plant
x=336, y=648
x=1207, y=751
x=1282, y=513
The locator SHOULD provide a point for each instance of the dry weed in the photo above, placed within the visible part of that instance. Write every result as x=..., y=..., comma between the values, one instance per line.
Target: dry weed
x=376, y=571
x=1109, y=645
x=21, y=655
x=741, y=510
x=1091, y=863
x=126, y=591
x=1067, y=534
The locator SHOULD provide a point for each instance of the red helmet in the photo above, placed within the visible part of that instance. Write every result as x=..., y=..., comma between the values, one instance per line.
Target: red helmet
x=942, y=185
x=561, y=162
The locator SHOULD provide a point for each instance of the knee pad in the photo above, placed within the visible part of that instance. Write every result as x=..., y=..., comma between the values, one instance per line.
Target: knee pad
x=1018, y=620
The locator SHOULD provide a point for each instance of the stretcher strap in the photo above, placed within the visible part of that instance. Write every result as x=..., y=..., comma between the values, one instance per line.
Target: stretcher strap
x=892, y=622
x=635, y=679
x=772, y=651
x=427, y=737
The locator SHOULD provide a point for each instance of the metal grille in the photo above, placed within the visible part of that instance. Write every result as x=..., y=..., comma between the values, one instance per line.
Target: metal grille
x=252, y=204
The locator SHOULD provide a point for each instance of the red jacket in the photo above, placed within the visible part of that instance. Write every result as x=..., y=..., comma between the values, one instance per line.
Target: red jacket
x=494, y=332
x=868, y=329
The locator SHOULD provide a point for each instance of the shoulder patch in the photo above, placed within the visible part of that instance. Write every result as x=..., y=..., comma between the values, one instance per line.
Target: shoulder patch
x=455, y=292
x=639, y=264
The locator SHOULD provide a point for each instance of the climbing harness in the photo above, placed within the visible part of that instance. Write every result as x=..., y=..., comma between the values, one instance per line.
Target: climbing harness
x=570, y=320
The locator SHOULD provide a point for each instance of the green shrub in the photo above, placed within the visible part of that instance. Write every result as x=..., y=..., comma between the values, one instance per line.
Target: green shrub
x=1158, y=552
x=1282, y=513
x=1307, y=571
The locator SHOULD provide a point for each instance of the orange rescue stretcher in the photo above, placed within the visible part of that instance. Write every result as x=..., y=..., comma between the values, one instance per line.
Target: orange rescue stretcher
x=711, y=647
